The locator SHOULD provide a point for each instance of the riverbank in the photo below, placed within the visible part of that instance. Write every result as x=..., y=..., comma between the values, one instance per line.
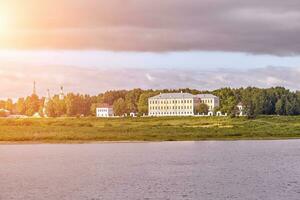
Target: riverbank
x=86, y=130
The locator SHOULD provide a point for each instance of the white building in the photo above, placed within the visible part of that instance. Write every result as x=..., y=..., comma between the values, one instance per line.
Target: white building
x=240, y=107
x=104, y=111
x=61, y=94
x=179, y=104
x=172, y=104
x=210, y=100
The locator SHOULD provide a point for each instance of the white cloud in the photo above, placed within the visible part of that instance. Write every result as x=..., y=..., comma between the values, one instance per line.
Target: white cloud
x=17, y=81
x=149, y=77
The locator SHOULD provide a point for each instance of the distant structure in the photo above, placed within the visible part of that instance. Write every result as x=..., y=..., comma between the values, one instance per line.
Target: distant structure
x=180, y=104
x=61, y=94
x=4, y=112
x=34, y=88
x=240, y=107
x=104, y=110
x=210, y=100
x=47, y=99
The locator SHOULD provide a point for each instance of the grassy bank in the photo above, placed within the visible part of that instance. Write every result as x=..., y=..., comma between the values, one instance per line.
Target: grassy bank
x=148, y=129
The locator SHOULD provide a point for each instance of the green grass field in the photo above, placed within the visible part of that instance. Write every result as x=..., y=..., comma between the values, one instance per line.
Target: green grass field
x=148, y=129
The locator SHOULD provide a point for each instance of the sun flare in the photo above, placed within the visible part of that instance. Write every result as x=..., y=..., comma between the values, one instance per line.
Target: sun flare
x=5, y=21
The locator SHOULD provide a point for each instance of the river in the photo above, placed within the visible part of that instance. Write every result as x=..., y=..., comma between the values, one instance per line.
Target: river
x=212, y=170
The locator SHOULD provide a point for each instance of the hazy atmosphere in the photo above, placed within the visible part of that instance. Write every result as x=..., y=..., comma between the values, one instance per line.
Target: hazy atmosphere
x=102, y=45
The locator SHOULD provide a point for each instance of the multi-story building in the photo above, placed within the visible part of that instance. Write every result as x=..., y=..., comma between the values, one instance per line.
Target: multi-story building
x=172, y=104
x=179, y=104
x=210, y=100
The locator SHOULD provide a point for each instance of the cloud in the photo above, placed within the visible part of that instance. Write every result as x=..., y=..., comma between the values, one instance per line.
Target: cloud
x=149, y=77
x=258, y=27
x=17, y=81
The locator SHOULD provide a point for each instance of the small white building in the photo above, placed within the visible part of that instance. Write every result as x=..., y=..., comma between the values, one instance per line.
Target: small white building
x=4, y=113
x=104, y=111
x=241, y=108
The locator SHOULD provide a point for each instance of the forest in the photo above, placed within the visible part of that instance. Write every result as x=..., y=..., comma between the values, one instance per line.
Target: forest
x=256, y=101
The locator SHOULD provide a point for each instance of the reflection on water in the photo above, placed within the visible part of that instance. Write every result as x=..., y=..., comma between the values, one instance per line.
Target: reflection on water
x=267, y=170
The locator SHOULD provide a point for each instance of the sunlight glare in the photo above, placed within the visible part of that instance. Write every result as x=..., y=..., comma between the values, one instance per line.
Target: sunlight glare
x=4, y=22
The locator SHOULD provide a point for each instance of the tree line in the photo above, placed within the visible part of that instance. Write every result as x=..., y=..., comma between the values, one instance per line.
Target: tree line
x=256, y=101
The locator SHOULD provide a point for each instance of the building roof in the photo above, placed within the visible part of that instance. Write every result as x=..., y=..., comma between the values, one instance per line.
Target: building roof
x=104, y=105
x=173, y=96
x=182, y=96
x=4, y=110
x=203, y=96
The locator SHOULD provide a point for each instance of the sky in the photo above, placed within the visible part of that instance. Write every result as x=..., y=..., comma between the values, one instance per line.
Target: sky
x=98, y=45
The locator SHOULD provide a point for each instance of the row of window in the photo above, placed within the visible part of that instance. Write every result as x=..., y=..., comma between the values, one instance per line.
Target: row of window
x=206, y=101
x=170, y=101
x=102, y=115
x=171, y=113
x=170, y=107
x=102, y=110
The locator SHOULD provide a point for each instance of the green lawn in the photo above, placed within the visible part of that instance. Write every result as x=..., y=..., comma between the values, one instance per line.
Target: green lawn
x=148, y=129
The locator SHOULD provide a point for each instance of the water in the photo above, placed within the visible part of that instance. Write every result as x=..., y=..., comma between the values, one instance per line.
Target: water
x=267, y=170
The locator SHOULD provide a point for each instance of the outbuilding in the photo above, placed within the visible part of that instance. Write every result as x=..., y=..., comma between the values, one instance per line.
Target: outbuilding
x=104, y=110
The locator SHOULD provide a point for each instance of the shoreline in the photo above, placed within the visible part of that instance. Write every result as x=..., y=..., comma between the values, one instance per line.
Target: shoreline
x=140, y=141
x=143, y=130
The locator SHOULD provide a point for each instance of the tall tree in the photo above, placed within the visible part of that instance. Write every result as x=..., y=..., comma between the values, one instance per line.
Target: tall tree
x=119, y=107
x=279, y=107
x=131, y=99
x=32, y=105
x=143, y=101
x=9, y=105
x=202, y=108
x=21, y=107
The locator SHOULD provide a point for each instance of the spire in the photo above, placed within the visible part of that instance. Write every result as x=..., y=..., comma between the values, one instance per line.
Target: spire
x=34, y=88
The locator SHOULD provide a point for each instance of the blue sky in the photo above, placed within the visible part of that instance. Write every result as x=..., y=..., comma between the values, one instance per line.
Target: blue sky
x=201, y=60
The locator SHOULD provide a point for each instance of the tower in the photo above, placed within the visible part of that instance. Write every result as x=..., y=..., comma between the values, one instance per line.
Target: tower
x=34, y=88
x=48, y=97
x=61, y=94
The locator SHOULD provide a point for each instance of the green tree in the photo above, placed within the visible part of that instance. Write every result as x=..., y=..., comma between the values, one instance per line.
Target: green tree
x=119, y=107
x=32, y=104
x=59, y=106
x=21, y=107
x=50, y=109
x=9, y=105
x=202, y=108
x=143, y=101
x=2, y=104
x=279, y=107
x=93, y=109
x=131, y=100
x=71, y=105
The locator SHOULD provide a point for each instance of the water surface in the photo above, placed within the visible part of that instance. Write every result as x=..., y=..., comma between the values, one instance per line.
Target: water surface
x=246, y=170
